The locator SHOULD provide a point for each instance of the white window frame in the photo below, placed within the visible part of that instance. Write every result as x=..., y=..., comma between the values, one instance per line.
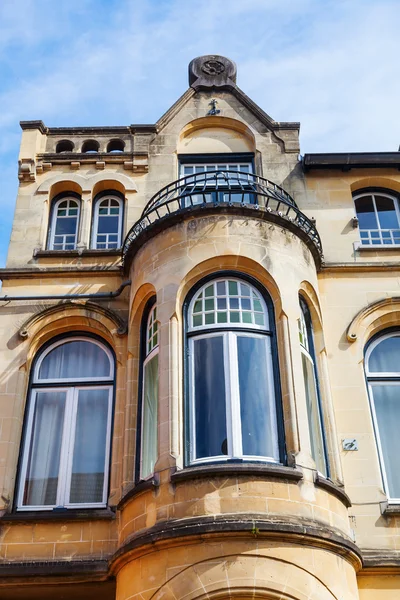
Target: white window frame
x=53, y=225
x=96, y=217
x=229, y=333
x=69, y=429
x=370, y=243
x=380, y=378
x=149, y=356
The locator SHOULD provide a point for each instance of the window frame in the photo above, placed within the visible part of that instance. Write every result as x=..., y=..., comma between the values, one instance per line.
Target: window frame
x=57, y=200
x=112, y=195
x=235, y=329
x=144, y=360
x=371, y=379
x=372, y=192
x=71, y=387
x=310, y=355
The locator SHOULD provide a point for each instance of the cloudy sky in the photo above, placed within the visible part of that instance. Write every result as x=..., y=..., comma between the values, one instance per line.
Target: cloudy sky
x=333, y=65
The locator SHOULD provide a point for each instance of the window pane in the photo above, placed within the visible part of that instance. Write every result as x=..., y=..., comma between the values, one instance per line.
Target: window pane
x=257, y=405
x=384, y=358
x=87, y=480
x=107, y=224
x=387, y=408
x=209, y=400
x=150, y=410
x=45, y=449
x=365, y=213
x=66, y=225
x=386, y=212
x=77, y=359
x=313, y=413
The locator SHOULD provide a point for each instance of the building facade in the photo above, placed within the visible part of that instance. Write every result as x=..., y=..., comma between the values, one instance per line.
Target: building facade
x=200, y=338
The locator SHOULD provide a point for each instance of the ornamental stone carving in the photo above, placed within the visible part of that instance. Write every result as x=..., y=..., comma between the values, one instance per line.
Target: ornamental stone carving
x=212, y=71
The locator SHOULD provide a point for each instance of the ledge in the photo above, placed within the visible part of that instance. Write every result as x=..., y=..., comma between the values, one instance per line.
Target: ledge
x=287, y=529
x=95, y=514
x=75, y=253
x=142, y=486
x=65, y=270
x=92, y=569
x=380, y=561
x=332, y=488
x=237, y=469
x=351, y=160
x=388, y=509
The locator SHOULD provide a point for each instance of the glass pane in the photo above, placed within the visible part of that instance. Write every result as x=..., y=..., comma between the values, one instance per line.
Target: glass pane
x=77, y=359
x=313, y=413
x=45, y=449
x=257, y=404
x=384, y=358
x=209, y=397
x=66, y=225
x=87, y=480
x=387, y=408
x=150, y=411
x=386, y=212
x=107, y=225
x=366, y=213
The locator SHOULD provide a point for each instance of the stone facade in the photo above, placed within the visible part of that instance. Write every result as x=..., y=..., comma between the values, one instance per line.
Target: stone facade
x=245, y=528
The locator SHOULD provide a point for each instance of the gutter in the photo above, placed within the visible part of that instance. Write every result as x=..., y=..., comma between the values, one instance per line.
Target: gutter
x=96, y=295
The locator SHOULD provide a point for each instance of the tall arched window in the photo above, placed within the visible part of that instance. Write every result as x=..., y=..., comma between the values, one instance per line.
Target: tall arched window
x=232, y=409
x=66, y=451
x=149, y=417
x=310, y=374
x=63, y=233
x=382, y=368
x=378, y=217
x=107, y=222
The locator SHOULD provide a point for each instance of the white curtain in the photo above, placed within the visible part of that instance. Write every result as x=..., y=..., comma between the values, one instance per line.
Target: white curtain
x=75, y=360
x=150, y=413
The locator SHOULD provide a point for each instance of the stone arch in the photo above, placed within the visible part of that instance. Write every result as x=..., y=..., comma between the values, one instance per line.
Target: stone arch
x=215, y=134
x=64, y=182
x=106, y=181
x=244, y=576
x=375, y=181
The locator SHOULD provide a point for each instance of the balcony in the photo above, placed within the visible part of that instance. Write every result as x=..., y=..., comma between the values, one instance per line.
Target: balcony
x=226, y=192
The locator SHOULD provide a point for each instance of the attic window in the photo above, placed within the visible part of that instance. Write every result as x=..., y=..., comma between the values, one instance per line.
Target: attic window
x=116, y=146
x=64, y=146
x=90, y=146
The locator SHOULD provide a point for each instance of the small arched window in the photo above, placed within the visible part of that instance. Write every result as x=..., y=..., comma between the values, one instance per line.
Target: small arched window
x=64, y=146
x=63, y=234
x=115, y=146
x=149, y=424
x=107, y=222
x=310, y=375
x=90, y=147
x=382, y=360
x=232, y=408
x=378, y=217
x=68, y=427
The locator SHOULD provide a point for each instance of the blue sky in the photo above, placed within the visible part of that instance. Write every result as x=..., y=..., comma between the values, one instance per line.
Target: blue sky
x=333, y=65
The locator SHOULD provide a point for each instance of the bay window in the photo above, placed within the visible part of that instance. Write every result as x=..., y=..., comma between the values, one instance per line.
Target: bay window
x=66, y=451
x=232, y=405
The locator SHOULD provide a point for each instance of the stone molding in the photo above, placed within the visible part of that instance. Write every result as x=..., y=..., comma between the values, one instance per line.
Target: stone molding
x=87, y=183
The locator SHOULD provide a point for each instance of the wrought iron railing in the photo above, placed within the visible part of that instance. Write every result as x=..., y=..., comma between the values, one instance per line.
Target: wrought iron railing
x=220, y=190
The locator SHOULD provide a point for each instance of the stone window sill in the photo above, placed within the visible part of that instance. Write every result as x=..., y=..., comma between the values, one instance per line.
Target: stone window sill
x=361, y=247
x=138, y=488
x=237, y=469
x=390, y=509
x=95, y=514
x=75, y=253
x=335, y=490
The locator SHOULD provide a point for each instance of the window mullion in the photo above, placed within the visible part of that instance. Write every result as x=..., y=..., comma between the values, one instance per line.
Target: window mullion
x=233, y=399
x=68, y=438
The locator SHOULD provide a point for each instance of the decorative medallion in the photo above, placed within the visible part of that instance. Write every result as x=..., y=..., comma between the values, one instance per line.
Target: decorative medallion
x=213, y=67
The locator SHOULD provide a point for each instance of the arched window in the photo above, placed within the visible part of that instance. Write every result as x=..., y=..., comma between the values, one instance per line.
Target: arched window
x=64, y=146
x=149, y=425
x=63, y=234
x=90, y=147
x=66, y=451
x=115, y=146
x=107, y=222
x=314, y=413
x=232, y=408
x=382, y=368
x=378, y=217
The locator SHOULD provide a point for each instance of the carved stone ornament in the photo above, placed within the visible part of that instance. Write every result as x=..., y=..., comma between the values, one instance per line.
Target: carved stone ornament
x=211, y=71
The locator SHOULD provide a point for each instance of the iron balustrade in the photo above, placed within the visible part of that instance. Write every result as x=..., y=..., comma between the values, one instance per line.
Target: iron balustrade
x=221, y=190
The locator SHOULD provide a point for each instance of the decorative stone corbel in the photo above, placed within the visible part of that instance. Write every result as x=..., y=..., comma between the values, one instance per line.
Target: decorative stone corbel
x=26, y=170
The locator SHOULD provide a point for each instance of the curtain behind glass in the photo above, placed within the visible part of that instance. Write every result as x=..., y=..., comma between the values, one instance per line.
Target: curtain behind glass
x=257, y=408
x=45, y=449
x=314, y=420
x=87, y=480
x=150, y=414
x=384, y=358
x=387, y=409
x=75, y=360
